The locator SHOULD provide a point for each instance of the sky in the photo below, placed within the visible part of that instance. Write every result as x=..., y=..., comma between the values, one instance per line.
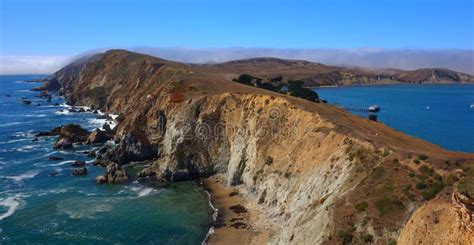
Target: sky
x=55, y=30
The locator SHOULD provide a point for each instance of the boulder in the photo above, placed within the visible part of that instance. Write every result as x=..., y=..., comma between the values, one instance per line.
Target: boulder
x=53, y=158
x=101, y=179
x=81, y=110
x=63, y=143
x=79, y=171
x=26, y=102
x=69, y=134
x=78, y=164
x=114, y=174
x=55, y=131
x=91, y=154
x=97, y=136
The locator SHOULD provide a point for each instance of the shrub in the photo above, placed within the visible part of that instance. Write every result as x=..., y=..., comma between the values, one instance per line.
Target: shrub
x=421, y=185
x=368, y=238
x=422, y=157
x=269, y=160
x=426, y=170
x=346, y=236
x=296, y=89
x=416, y=161
x=361, y=206
x=387, y=205
x=466, y=184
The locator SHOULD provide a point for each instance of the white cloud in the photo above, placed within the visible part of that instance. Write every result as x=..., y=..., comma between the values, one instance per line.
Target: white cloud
x=407, y=59
x=32, y=64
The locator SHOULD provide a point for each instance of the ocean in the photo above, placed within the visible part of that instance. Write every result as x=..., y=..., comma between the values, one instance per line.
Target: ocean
x=438, y=113
x=41, y=202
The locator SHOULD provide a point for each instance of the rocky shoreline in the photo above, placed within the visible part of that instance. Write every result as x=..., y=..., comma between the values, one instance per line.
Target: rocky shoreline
x=313, y=172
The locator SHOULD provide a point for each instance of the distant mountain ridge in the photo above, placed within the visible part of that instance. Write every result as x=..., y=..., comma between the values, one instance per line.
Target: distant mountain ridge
x=316, y=74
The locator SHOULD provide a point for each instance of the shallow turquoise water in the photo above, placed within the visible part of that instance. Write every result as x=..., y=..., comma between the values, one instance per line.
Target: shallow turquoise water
x=40, y=202
x=437, y=113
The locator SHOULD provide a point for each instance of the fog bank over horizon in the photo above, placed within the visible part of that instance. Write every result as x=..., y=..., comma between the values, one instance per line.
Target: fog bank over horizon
x=376, y=58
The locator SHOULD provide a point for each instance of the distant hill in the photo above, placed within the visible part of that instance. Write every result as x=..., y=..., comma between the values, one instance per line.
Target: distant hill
x=316, y=74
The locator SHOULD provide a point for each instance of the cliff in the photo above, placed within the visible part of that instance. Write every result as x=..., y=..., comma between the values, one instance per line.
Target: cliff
x=320, y=174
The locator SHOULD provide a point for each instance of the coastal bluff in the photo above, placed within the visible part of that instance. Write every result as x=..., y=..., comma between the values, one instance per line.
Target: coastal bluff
x=316, y=173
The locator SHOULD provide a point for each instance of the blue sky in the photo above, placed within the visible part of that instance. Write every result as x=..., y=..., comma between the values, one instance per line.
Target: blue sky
x=53, y=27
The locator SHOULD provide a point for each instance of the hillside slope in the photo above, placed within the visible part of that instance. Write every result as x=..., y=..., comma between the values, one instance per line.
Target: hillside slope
x=315, y=74
x=320, y=174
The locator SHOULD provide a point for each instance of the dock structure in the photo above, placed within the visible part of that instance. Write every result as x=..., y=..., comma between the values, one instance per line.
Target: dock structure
x=360, y=109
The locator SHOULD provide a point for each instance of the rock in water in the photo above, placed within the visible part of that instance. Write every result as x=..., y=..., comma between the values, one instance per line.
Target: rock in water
x=26, y=102
x=55, y=131
x=91, y=154
x=49, y=84
x=78, y=164
x=53, y=158
x=97, y=136
x=69, y=134
x=79, y=171
x=114, y=174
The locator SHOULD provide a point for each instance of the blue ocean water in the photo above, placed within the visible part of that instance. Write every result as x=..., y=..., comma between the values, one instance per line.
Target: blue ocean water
x=438, y=113
x=41, y=202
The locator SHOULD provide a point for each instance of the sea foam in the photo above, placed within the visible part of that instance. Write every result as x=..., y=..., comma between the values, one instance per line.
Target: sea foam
x=12, y=203
x=27, y=175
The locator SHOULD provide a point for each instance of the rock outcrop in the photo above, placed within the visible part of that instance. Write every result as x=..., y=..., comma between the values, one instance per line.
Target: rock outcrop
x=70, y=134
x=98, y=136
x=49, y=84
x=318, y=173
x=114, y=174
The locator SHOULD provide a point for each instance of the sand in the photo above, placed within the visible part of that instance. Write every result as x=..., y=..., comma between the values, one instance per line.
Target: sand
x=238, y=220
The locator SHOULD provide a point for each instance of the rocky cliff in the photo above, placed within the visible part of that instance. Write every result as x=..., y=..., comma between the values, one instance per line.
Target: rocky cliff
x=319, y=173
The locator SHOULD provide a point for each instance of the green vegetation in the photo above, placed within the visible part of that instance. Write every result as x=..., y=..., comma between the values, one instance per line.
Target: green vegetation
x=361, y=206
x=386, y=205
x=346, y=236
x=295, y=88
x=466, y=184
x=429, y=182
x=426, y=170
x=421, y=185
x=368, y=238
x=422, y=157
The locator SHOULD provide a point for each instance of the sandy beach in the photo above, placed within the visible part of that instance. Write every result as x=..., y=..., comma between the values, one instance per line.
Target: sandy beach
x=238, y=220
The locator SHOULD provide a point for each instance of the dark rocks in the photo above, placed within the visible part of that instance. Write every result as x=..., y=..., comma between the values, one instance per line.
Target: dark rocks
x=104, y=116
x=81, y=110
x=53, y=158
x=45, y=94
x=91, y=154
x=63, y=144
x=120, y=118
x=79, y=171
x=69, y=134
x=97, y=136
x=133, y=147
x=34, y=139
x=26, y=102
x=78, y=164
x=55, y=131
x=114, y=174
x=49, y=84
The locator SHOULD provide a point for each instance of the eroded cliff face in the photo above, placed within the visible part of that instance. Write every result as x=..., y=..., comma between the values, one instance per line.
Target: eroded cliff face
x=320, y=174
